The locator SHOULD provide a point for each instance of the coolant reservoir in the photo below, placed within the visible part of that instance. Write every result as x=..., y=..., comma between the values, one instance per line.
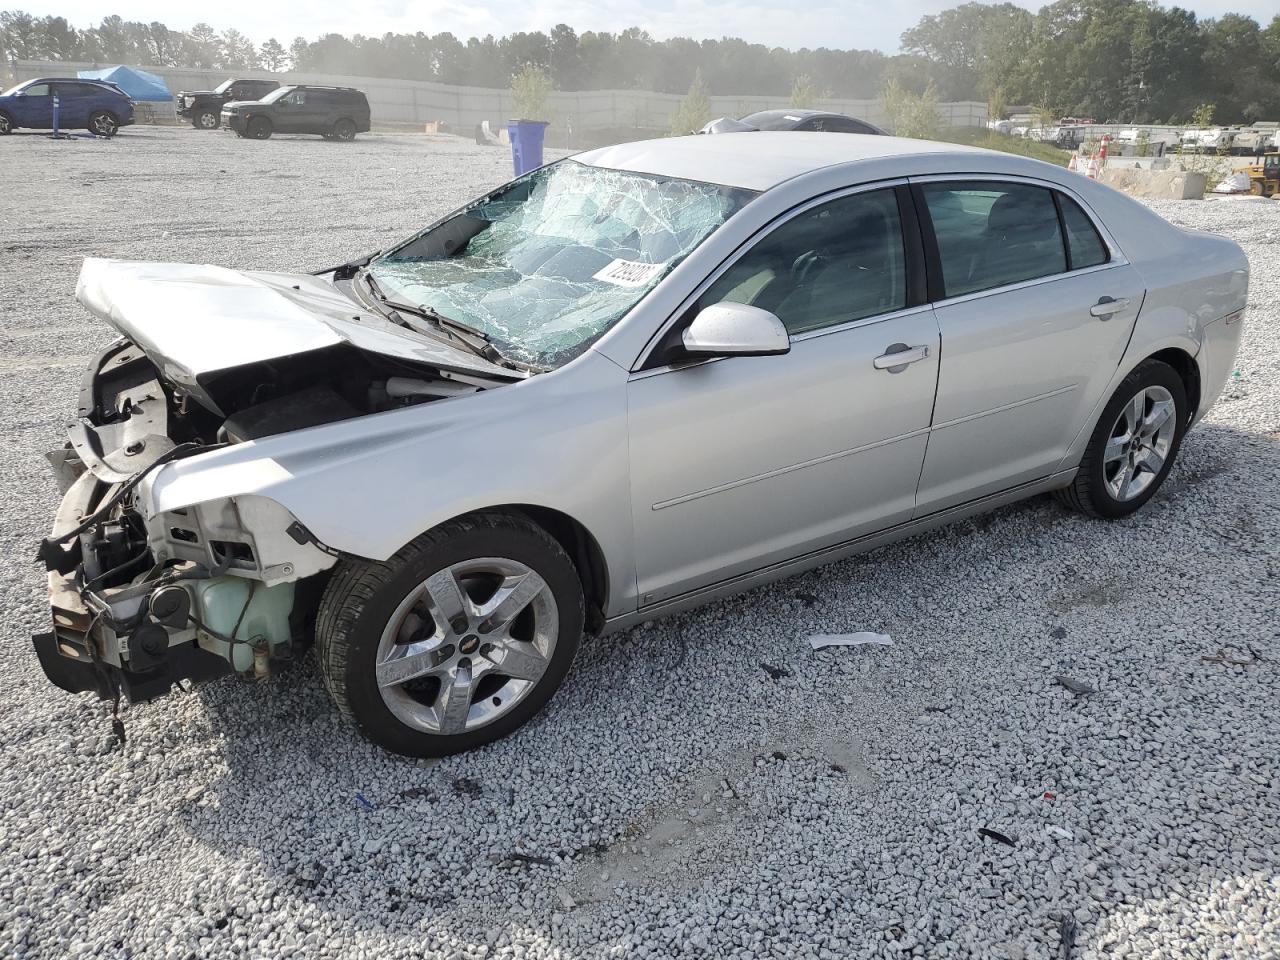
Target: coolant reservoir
x=219, y=602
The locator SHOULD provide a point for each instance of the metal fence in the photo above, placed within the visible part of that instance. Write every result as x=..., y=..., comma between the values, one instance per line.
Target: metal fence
x=460, y=108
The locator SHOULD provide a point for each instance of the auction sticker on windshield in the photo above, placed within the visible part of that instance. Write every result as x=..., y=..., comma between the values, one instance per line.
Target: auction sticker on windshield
x=629, y=273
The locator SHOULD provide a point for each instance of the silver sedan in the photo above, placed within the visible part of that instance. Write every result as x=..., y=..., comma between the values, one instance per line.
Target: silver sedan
x=622, y=385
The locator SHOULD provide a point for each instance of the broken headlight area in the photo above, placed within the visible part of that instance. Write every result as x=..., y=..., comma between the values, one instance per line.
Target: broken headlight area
x=140, y=599
x=135, y=608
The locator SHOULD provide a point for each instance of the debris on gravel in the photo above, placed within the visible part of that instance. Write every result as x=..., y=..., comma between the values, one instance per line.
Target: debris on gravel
x=703, y=786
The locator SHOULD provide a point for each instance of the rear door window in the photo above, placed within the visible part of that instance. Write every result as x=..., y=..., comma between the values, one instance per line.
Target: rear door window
x=992, y=234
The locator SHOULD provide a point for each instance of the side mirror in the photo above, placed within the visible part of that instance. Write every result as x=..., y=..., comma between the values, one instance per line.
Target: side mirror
x=735, y=330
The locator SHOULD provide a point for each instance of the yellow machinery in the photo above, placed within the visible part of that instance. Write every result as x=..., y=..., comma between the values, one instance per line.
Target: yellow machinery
x=1264, y=177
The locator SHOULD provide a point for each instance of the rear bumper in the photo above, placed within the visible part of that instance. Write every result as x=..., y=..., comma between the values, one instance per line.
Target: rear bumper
x=1218, y=357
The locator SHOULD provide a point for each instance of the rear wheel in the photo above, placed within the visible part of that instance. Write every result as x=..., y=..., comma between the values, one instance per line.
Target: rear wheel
x=206, y=120
x=258, y=128
x=344, y=130
x=457, y=640
x=103, y=123
x=1134, y=445
x=6, y=124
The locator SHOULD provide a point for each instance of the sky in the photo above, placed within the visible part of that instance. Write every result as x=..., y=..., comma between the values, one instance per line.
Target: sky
x=841, y=24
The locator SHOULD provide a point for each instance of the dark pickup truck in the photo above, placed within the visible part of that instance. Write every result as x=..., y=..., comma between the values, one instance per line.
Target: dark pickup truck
x=204, y=107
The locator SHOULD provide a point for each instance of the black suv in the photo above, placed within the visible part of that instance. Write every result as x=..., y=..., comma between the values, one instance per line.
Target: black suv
x=204, y=107
x=335, y=113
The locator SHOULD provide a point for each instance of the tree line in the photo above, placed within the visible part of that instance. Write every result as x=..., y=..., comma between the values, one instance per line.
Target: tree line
x=1131, y=61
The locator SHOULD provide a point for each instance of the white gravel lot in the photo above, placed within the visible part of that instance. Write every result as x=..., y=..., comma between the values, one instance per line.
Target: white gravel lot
x=705, y=786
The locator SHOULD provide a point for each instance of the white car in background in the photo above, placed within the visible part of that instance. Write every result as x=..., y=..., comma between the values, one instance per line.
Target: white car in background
x=622, y=385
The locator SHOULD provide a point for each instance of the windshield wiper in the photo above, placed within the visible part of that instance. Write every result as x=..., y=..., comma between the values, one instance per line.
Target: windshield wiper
x=477, y=341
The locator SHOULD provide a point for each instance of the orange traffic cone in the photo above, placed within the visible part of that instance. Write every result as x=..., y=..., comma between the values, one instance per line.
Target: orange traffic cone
x=1092, y=171
x=1072, y=164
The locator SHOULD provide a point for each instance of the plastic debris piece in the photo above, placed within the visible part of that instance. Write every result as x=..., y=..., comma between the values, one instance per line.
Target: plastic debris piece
x=1060, y=832
x=1233, y=183
x=1067, y=933
x=364, y=801
x=808, y=599
x=1078, y=687
x=1233, y=656
x=1049, y=795
x=566, y=900
x=1058, y=633
x=820, y=640
x=997, y=836
x=775, y=673
x=515, y=858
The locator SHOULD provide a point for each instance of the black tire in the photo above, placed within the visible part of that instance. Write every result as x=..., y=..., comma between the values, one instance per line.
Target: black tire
x=344, y=130
x=6, y=124
x=258, y=128
x=103, y=123
x=1090, y=493
x=206, y=120
x=362, y=598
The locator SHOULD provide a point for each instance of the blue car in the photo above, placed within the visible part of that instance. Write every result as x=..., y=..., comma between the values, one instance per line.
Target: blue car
x=96, y=105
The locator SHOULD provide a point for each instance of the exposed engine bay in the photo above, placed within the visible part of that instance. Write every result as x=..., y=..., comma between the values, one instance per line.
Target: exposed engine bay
x=227, y=585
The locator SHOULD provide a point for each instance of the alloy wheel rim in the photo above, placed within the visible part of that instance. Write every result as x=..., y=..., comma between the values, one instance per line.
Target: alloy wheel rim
x=103, y=125
x=1139, y=444
x=4, y=124
x=208, y=121
x=466, y=645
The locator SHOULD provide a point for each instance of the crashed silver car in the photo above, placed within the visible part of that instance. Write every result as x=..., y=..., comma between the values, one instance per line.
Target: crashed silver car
x=624, y=384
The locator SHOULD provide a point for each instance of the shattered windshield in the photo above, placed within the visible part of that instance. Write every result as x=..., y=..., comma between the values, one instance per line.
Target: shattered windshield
x=544, y=266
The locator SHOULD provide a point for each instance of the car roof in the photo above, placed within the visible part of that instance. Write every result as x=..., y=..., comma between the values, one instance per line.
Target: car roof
x=762, y=160
x=799, y=114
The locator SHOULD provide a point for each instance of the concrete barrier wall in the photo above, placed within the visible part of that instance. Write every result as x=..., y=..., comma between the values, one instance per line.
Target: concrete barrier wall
x=1156, y=184
x=461, y=108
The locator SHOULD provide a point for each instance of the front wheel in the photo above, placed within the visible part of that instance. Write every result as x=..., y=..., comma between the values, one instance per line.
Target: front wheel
x=206, y=120
x=1134, y=444
x=103, y=123
x=344, y=130
x=457, y=640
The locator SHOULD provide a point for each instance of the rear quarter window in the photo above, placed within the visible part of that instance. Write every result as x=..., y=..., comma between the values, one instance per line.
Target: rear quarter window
x=1084, y=245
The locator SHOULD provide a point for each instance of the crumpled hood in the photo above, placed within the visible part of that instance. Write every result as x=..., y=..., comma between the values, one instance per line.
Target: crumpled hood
x=193, y=319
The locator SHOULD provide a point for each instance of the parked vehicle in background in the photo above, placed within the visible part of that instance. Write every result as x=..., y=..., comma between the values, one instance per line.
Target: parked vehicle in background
x=626, y=383
x=95, y=105
x=818, y=121
x=335, y=113
x=204, y=107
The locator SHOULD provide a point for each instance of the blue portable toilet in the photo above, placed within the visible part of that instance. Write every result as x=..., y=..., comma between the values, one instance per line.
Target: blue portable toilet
x=138, y=84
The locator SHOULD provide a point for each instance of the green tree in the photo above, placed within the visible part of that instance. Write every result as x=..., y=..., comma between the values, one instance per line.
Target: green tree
x=237, y=51
x=996, y=108
x=202, y=47
x=695, y=109
x=530, y=88
x=804, y=92
x=274, y=57
x=911, y=114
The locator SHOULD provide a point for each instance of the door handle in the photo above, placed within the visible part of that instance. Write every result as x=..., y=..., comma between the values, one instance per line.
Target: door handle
x=1106, y=306
x=898, y=355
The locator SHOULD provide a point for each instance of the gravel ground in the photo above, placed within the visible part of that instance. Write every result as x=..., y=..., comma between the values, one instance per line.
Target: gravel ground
x=703, y=786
